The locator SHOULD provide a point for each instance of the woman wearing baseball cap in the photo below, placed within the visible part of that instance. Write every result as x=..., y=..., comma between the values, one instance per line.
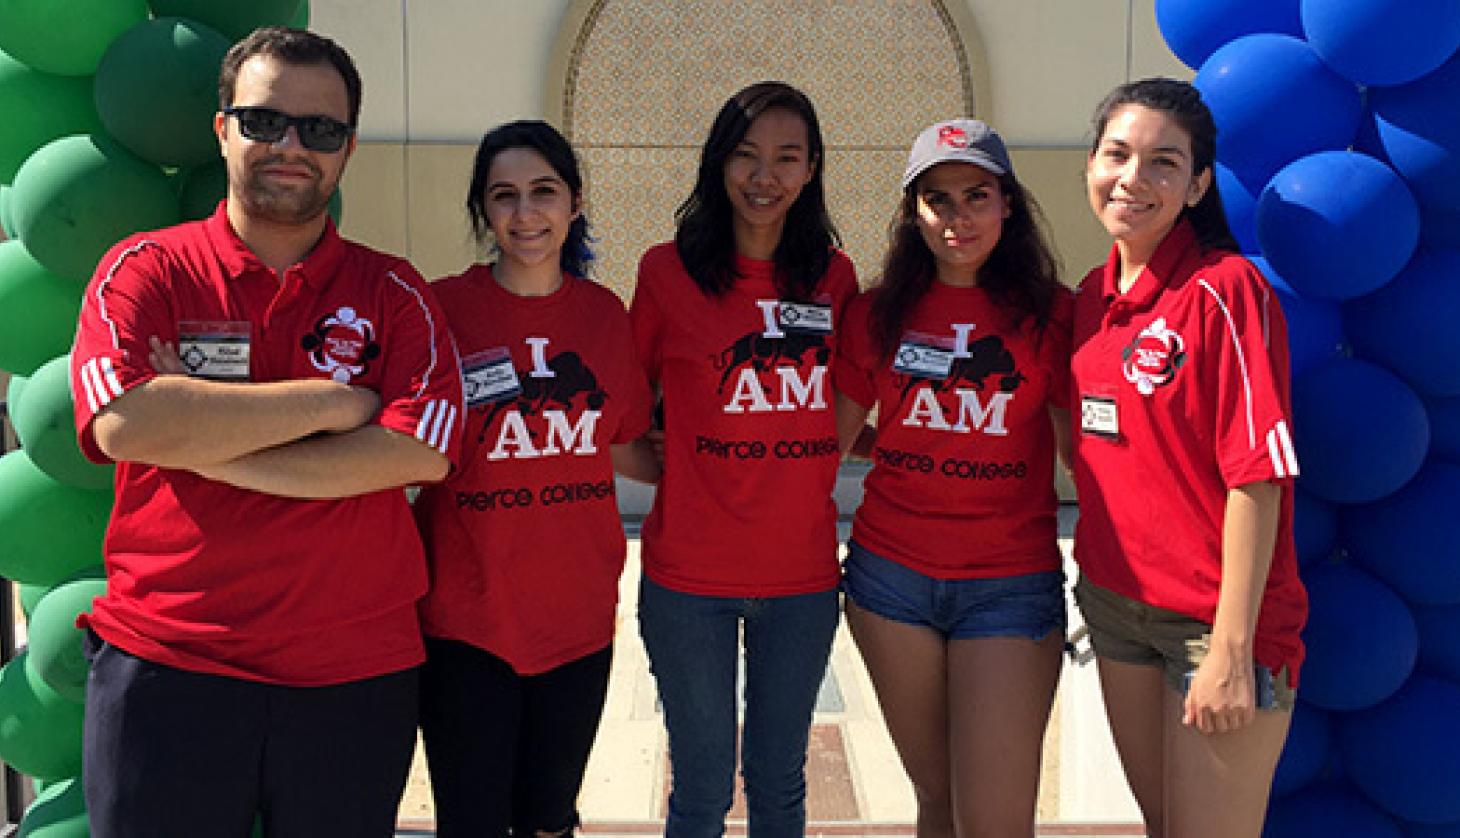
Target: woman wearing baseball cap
x=1184, y=465
x=953, y=586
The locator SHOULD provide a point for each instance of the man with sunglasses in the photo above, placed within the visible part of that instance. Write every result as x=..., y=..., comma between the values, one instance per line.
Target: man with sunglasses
x=266, y=389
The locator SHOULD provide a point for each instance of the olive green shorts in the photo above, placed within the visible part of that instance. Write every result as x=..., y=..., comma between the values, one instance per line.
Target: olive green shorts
x=1129, y=631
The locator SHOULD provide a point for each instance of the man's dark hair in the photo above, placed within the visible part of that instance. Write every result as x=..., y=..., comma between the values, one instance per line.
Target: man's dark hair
x=293, y=46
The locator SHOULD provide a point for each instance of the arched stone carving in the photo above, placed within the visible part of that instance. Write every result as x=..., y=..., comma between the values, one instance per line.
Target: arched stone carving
x=642, y=80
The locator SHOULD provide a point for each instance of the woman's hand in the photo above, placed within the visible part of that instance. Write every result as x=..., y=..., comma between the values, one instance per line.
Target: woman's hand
x=1221, y=695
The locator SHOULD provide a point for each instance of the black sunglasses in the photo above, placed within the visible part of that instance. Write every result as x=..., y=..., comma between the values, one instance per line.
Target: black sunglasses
x=266, y=125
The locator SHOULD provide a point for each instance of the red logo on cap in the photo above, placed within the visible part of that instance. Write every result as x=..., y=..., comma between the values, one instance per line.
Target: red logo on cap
x=952, y=136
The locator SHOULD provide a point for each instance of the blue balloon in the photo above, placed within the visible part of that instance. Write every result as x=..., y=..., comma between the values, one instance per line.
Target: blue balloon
x=1412, y=324
x=1402, y=754
x=1315, y=327
x=1240, y=204
x=1382, y=42
x=1194, y=29
x=1444, y=429
x=1307, y=751
x=1328, y=812
x=1274, y=101
x=1419, y=127
x=1408, y=539
x=1432, y=830
x=1439, y=640
x=1362, y=641
x=1439, y=228
x=1337, y=224
x=1315, y=528
x=1361, y=433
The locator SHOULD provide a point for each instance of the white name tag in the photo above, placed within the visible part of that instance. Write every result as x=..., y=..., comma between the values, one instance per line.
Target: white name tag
x=1098, y=416
x=487, y=377
x=215, y=349
x=805, y=317
x=924, y=360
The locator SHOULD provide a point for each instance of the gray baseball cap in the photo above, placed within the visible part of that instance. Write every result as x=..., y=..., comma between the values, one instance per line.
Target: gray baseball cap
x=957, y=141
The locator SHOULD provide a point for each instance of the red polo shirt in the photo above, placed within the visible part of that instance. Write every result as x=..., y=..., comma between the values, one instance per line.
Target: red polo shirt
x=524, y=542
x=1182, y=383
x=750, y=453
x=206, y=577
x=962, y=480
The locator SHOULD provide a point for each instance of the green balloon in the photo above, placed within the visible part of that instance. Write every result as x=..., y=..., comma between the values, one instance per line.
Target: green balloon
x=55, y=641
x=48, y=530
x=301, y=17
x=30, y=596
x=45, y=422
x=202, y=189
x=40, y=731
x=38, y=311
x=38, y=108
x=79, y=195
x=13, y=390
x=7, y=227
x=65, y=37
x=231, y=17
x=157, y=90
x=336, y=207
x=58, y=812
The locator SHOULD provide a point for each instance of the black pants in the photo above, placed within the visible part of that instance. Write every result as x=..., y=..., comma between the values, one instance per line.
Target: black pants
x=176, y=753
x=507, y=752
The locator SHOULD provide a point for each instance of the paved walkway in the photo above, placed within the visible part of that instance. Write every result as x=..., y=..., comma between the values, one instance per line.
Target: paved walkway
x=856, y=786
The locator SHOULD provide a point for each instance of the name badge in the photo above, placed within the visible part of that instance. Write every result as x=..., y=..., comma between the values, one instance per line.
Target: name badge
x=1098, y=416
x=215, y=349
x=920, y=355
x=805, y=318
x=487, y=377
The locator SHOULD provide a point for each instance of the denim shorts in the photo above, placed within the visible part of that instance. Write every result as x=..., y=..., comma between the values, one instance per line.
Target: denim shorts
x=1129, y=631
x=1030, y=605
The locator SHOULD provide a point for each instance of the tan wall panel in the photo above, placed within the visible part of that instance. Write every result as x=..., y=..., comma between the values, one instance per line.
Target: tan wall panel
x=1149, y=54
x=373, y=192
x=440, y=239
x=373, y=32
x=1056, y=177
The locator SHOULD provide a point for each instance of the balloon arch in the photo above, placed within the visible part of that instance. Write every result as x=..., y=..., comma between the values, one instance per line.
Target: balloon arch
x=1339, y=163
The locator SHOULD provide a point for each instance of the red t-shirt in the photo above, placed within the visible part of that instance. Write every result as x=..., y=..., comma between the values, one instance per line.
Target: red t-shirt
x=525, y=543
x=962, y=480
x=750, y=453
x=1183, y=388
x=206, y=577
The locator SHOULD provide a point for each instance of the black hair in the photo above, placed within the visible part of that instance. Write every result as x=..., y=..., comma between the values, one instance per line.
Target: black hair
x=1021, y=274
x=1183, y=103
x=554, y=147
x=705, y=234
x=292, y=46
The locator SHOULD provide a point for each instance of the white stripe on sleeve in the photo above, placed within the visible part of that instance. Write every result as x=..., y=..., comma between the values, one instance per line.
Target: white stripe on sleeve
x=86, y=384
x=1241, y=362
x=423, y=427
x=1289, y=454
x=1279, y=465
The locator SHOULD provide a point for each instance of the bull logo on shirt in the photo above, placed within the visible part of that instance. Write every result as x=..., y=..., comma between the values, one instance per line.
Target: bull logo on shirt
x=972, y=368
x=550, y=390
x=342, y=344
x=1153, y=357
x=762, y=369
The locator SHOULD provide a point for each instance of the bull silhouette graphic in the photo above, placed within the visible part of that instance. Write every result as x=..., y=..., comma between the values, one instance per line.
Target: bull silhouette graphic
x=571, y=378
x=762, y=353
x=986, y=357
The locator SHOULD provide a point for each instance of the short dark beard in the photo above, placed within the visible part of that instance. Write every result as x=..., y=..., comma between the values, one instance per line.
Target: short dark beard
x=283, y=206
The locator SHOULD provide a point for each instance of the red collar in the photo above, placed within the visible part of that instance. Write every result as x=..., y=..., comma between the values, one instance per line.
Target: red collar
x=1158, y=272
x=314, y=270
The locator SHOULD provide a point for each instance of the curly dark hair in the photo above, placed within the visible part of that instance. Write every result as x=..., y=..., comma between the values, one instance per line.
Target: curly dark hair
x=705, y=235
x=1021, y=275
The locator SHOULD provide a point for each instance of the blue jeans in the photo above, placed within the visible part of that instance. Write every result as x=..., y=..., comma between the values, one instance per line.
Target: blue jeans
x=692, y=643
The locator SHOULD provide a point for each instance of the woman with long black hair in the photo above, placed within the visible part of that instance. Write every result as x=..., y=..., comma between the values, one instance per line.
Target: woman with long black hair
x=737, y=321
